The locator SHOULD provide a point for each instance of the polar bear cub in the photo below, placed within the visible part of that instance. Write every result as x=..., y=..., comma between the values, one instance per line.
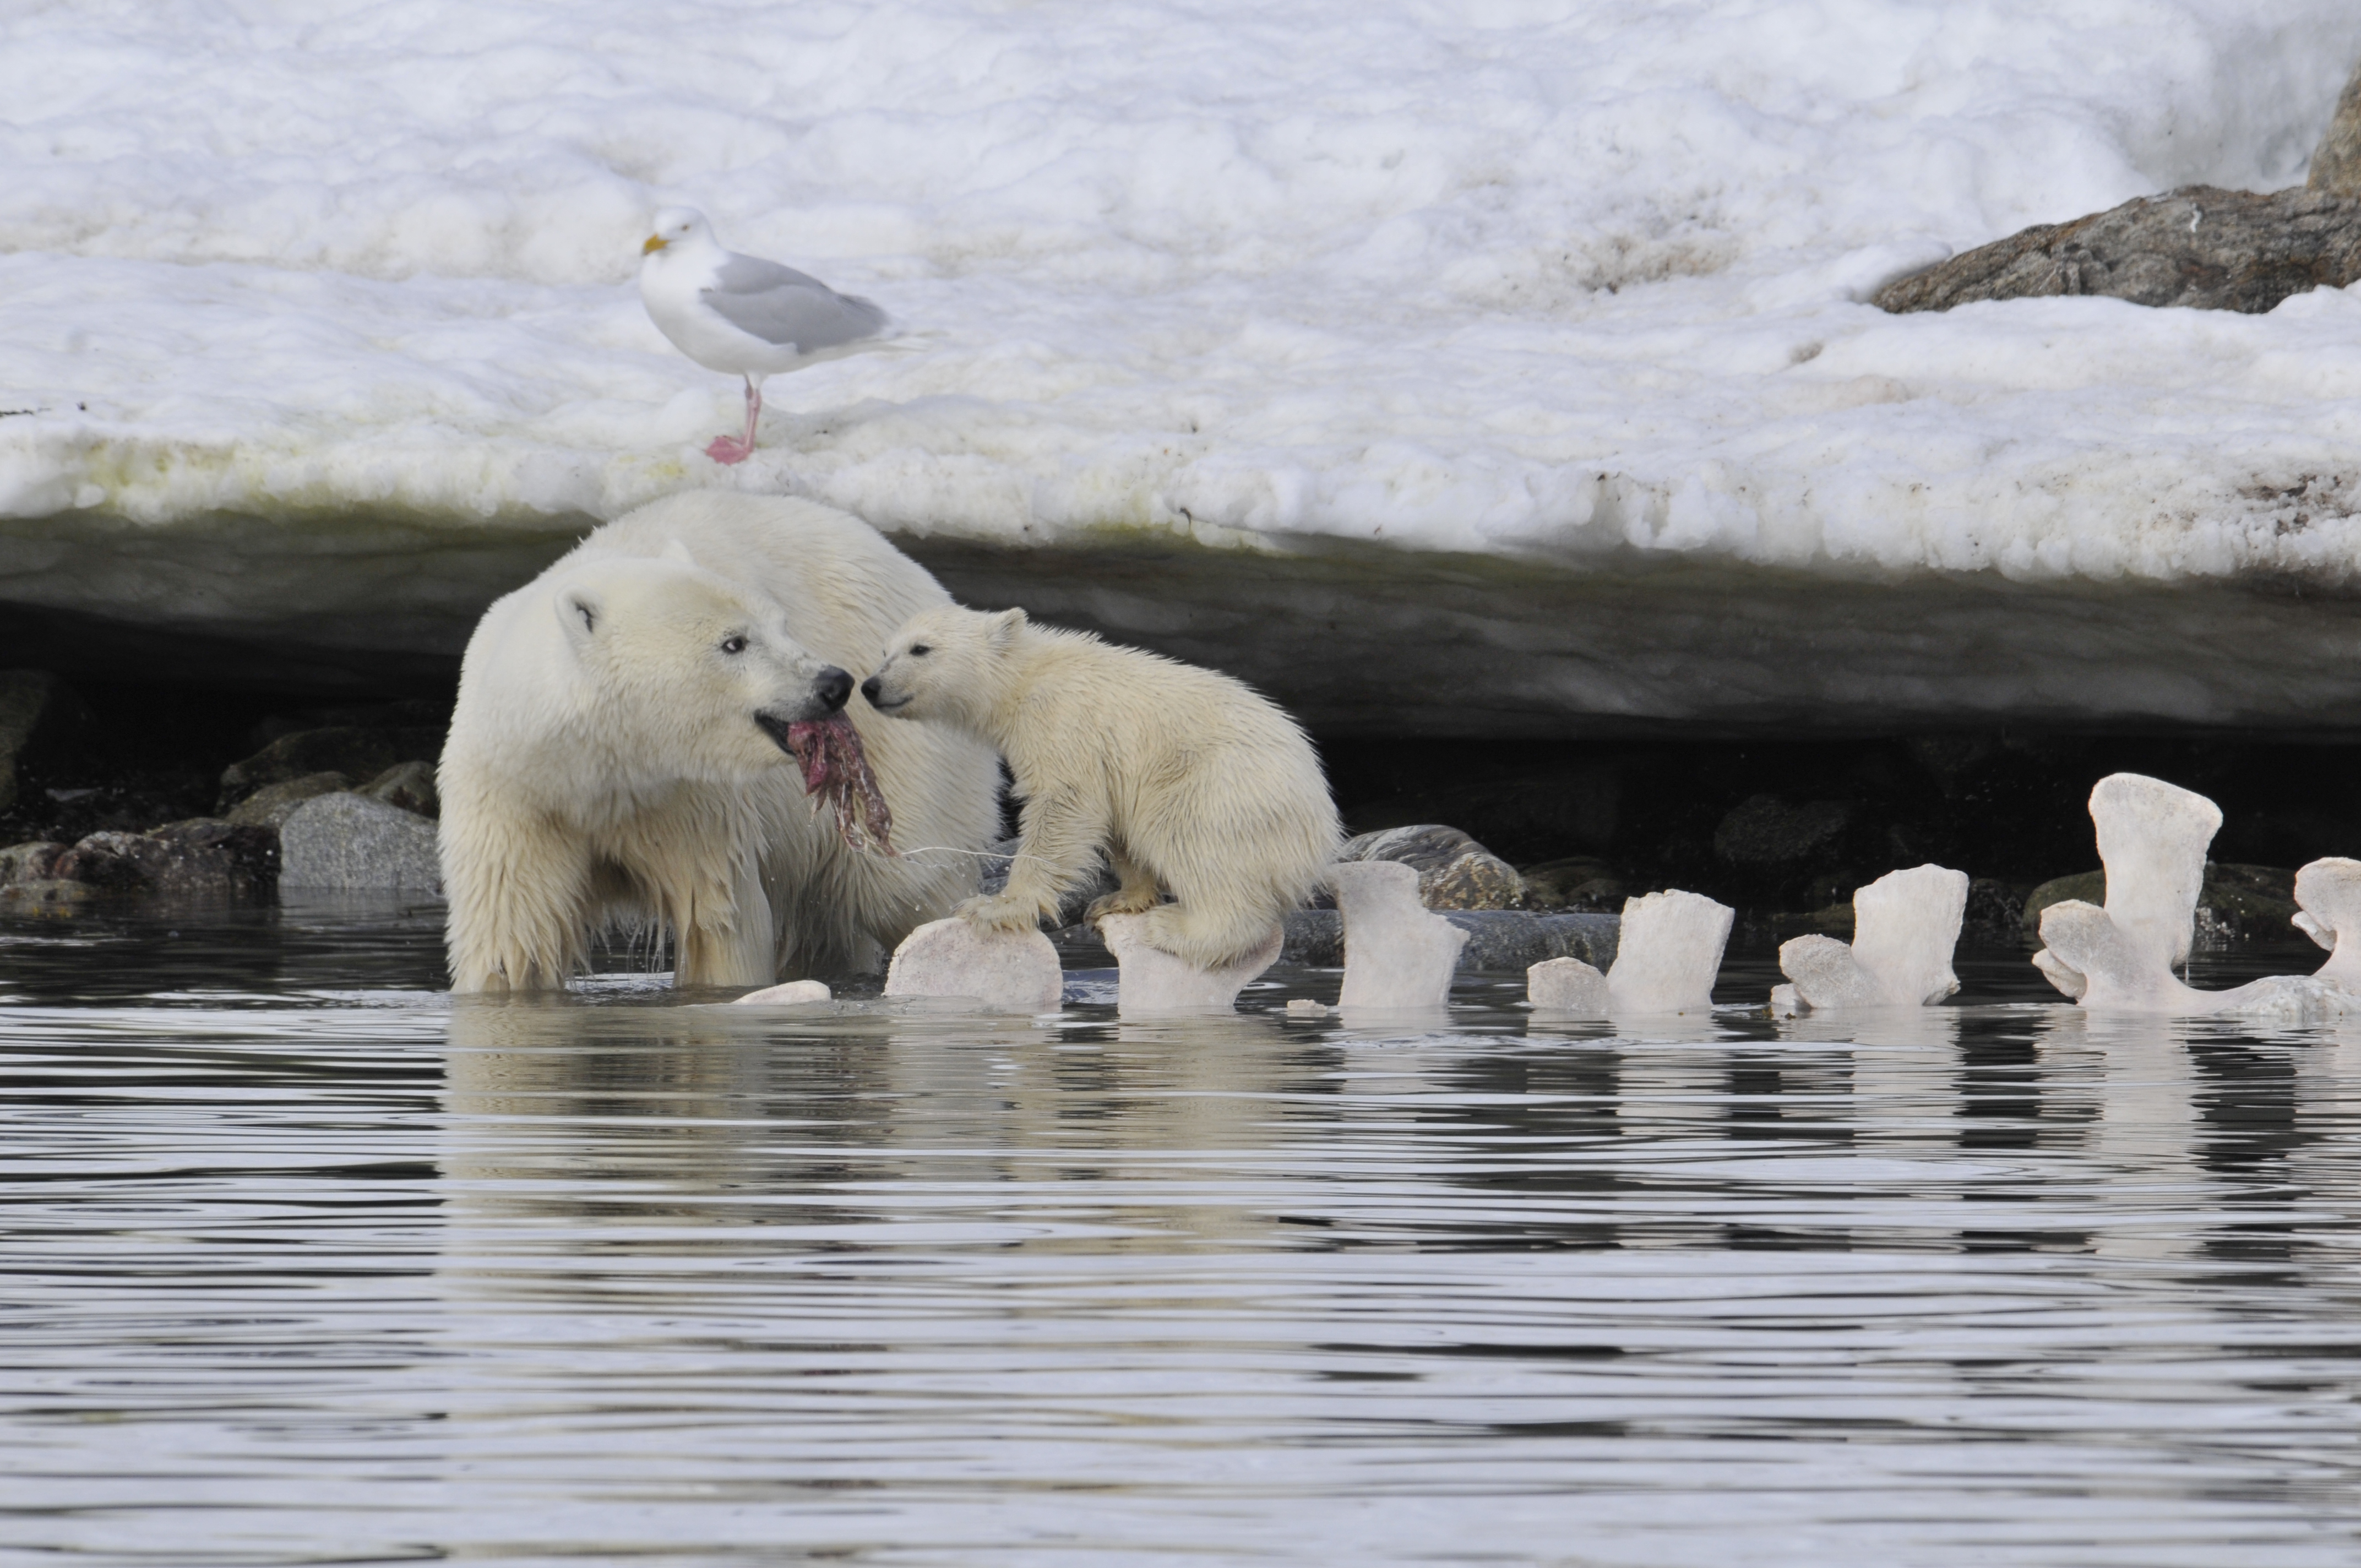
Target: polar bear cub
x=1189, y=780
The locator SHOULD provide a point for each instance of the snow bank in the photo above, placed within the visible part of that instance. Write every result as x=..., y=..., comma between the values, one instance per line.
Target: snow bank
x=1561, y=280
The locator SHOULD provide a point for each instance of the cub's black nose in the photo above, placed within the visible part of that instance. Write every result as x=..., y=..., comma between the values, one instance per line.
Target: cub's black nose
x=869, y=688
x=832, y=687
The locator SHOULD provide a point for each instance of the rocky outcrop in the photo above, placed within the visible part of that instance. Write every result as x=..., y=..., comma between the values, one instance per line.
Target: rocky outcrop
x=353, y=751
x=350, y=843
x=204, y=859
x=1455, y=871
x=2336, y=162
x=2201, y=247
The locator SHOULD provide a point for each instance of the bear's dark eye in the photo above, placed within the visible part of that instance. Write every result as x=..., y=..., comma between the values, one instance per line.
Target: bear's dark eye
x=733, y=645
x=920, y=650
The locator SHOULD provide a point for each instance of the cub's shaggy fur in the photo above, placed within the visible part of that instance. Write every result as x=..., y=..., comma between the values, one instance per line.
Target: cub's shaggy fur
x=613, y=757
x=1189, y=780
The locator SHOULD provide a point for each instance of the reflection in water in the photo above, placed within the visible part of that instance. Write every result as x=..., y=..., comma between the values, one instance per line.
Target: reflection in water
x=310, y=1263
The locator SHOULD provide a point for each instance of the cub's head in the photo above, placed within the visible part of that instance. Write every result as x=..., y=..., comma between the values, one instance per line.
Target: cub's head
x=943, y=663
x=687, y=671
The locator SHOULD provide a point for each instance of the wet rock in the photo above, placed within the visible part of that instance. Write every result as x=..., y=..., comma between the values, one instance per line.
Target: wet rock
x=355, y=752
x=39, y=717
x=34, y=861
x=1497, y=938
x=2336, y=162
x=204, y=858
x=1455, y=871
x=349, y=842
x=48, y=897
x=1581, y=883
x=2246, y=901
x=2200, y=246
x=410, y=786
x=272, y=804
x=1764, y=831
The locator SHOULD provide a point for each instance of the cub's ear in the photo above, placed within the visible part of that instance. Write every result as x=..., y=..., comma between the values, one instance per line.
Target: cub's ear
x=676, y=551
x=1005, y=627
x=581, y=613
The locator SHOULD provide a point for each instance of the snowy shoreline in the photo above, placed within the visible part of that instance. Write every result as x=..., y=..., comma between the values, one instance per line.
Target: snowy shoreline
x=322, y=329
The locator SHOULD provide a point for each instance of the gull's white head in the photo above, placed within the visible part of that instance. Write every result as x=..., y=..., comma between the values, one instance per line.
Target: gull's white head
x=675, y=225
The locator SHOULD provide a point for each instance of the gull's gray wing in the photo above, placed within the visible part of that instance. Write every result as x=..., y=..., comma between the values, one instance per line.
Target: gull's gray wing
x=781, y=305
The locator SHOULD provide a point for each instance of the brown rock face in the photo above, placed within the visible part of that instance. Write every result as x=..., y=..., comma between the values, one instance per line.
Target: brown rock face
x=204, y=858
x=2336, y=162
x=2200, y=246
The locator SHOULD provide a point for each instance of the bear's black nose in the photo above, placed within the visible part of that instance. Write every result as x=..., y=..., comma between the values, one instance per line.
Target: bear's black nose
x=870, y=688
x=832, y=687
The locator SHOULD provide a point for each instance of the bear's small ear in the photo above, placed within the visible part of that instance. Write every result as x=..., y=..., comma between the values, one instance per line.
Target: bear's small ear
x=580, y=611
x=676, y=551
x=1005, y=627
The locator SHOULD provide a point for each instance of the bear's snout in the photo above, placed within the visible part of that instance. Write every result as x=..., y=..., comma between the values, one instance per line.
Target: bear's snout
x=870, y=688
x=833, y=687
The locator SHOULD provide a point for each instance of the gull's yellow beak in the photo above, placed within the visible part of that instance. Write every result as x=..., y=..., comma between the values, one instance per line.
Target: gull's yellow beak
x=655, y=242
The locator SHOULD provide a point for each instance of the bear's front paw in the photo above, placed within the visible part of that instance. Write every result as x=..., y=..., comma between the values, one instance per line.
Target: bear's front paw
x=999, y=912
x=1123, y=902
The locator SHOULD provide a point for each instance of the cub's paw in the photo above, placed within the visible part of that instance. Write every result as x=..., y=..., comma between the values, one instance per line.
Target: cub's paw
x=997, y=912
x=1123, y=902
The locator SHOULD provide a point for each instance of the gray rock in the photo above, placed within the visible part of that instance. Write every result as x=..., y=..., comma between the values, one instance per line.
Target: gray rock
x=45, y=897
x=272, y=804
x=355, y=752
x=410, y=786
x=1767, y=831
x=349, y=842
x=34, y=861
x=2336, y=162
x=1506, y=940
x=1455, y=871
x=2200, y=246
x=38, y=717
x=1580, y=883
x=204, y=858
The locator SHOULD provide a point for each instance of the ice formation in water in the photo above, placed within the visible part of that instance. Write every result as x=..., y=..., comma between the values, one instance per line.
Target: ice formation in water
x=1155, y=983
x=2152, y=840
x=794, y=994
x=1007, y=972
x=1399, y=954
x=1666, y=956
x=1905, y=925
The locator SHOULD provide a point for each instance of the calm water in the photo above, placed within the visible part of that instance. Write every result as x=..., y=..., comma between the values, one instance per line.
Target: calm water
x=306, y=1264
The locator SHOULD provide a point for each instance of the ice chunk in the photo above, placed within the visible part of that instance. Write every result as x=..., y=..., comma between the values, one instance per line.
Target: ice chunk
x=2328, y=896
x=1399, y=955
x=1665, y=958
x=794, y=994
x=1905, y=925
x=2152, y=840
x=1567, y=988
x=1008, y=972
x=1155, y=983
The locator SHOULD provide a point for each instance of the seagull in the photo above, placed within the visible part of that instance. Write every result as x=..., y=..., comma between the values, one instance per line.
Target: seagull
x=745, y=316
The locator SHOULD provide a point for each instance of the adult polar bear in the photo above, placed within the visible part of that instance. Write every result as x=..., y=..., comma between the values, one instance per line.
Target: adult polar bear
x=611, y=757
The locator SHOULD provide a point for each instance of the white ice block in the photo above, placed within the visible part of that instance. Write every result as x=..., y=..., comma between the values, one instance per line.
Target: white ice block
x=1567, y=988
x=2328, y=896
x=1008, y=972
x=1399, y=954
x=794, y=994
x=1905, y=926
x=1155, y=983
x=2152, y=839
x=1667, y=954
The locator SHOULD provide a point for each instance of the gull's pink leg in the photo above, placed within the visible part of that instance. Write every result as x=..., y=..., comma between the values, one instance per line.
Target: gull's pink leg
x=728, y=449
